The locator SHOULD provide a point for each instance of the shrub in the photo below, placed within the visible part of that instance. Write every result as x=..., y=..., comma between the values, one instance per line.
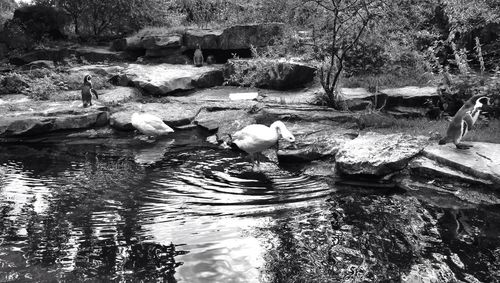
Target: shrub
x=13, y=83
x=42, y=88
x=40, y=21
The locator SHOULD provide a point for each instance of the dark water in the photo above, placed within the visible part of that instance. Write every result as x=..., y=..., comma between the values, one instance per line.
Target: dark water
x=182, y=210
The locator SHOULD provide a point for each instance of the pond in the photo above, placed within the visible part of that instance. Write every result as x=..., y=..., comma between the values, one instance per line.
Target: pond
x=183, y=210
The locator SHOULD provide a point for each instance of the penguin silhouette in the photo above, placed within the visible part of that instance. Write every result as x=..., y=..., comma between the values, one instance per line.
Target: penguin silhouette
x=87, y=91
x=463, y=121
x=198, y=56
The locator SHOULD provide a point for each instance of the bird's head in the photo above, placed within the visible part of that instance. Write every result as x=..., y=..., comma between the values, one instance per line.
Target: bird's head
x=283, y=132
x=482, y=101
x=87, y=79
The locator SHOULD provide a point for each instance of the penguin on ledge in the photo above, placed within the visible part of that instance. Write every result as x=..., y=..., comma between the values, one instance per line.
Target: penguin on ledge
x=463, y=121
x=87, y=91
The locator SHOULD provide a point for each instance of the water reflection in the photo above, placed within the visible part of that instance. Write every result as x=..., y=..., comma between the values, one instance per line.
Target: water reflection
x=182, y=210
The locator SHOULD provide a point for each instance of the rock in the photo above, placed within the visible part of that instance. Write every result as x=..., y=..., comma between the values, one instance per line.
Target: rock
x=481, y=161
x=47, y=64
x=235, y=37
x=310, y=113
x=243, y=96
x=245, y=36
x=319, y=169
x=98, y=54
x=423, y=166
x=119, y=95
x=225, y=122
x=54, y=54
x=206, y=38
x=163, y=79
x=410, y=96
x=156, y=42
x=430, y=271
x=103, y=70
x=91, y=54
x=173, y=114
x=45, y=117
x=378, y=155
x=131, y=44
x=314, y=141
x=400, y=98
x=274, y=74
x=407, y=112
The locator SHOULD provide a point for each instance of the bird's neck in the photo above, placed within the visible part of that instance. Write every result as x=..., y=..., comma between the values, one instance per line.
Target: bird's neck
x=277, y=128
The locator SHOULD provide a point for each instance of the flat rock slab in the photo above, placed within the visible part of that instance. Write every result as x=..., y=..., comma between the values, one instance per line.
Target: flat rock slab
x=163, y=79
x=377, y=154
x=45, y=117
x=173, y=114
x=106, y=96
x=481, y=161
x=411, y=96
x=313, y=141
x=423, y=166
x=310, y=113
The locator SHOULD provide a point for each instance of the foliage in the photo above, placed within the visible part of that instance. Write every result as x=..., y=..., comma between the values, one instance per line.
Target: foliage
x=42, y=88
x=40, y=21
x=253, y=73
x=7, y=8
x=337, y=28
x=93, y=18
x=12, y=83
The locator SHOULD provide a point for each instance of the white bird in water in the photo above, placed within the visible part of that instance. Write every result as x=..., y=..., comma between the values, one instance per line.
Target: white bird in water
x=150, y=125
x=256, y=138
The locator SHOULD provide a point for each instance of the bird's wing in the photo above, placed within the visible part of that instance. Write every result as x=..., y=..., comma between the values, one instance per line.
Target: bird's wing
x=94, y=92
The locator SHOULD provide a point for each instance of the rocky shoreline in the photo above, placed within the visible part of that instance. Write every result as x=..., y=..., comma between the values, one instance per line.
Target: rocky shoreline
x=147, y=72
x=325, y=138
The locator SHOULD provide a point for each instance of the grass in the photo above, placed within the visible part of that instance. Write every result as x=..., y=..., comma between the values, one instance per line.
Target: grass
x=483, y=131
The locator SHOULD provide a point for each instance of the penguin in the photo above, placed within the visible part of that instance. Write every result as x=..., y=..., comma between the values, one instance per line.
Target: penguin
x=87, y=91
x=198, y=57
x=463, y=121
x=210, y=59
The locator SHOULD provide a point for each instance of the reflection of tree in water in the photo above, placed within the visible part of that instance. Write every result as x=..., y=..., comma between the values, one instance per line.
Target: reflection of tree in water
x=358, y=239
x=90, y=228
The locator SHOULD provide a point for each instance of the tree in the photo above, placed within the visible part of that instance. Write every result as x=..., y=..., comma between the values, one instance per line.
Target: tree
x=337, y=27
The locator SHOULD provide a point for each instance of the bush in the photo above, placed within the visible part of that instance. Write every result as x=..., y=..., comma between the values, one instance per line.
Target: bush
x=13, y=83
x=42, y=88
x=42, y=21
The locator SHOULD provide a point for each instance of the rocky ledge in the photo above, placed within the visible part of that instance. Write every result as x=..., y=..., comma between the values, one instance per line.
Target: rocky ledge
x=328, y=142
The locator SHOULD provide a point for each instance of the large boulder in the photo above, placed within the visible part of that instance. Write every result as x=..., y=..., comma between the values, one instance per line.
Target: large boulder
x=377, y=155
x=163, y=79
x=156, y=42
x=206, y=38
x=173, y=114
x=235, y=37
x=45, y=117
x=481, y=161
x=278, y=74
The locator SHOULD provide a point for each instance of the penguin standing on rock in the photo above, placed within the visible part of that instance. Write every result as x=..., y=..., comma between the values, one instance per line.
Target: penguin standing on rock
x=463, y=121
x=87, y=91
x=198, y=56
